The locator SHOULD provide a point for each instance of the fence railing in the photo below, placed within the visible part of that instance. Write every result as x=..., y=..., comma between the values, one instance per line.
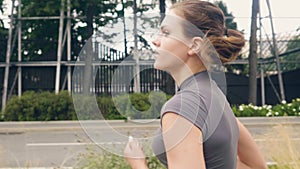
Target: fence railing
x=119, y=77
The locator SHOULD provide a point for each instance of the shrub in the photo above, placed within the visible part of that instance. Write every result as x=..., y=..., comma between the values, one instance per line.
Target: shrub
x=283, y=109
x=140, y=105
x=44, y=106
x=108, y=108
x=146, y=106
x=39, y=106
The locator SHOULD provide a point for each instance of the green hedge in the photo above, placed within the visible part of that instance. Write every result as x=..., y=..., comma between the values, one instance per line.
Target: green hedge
x=39, y=106
x=283, y=109
x=45, y=106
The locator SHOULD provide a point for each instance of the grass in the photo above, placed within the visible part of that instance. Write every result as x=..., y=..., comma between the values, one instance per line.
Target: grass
x=278, y=145
x=2, y=162
x=281, y=147
x=105, y=160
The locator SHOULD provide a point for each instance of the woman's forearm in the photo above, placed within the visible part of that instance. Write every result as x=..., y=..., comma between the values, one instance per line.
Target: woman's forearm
x=249, y=153
x=241, y=165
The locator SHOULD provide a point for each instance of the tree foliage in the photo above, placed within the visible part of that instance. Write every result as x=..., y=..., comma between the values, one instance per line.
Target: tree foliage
x=40, y=36
x=230, y=24
x=293, y=50
x=3, y=35
x=1, y=6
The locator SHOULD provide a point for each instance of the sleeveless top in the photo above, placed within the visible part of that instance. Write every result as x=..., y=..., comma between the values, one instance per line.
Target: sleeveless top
x=201, y=101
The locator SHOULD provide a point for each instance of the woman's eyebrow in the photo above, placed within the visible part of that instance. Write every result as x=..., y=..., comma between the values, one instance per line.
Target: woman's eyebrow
x=162, y=27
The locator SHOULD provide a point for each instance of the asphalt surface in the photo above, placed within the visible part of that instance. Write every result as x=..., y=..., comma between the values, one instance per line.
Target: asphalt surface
x=62, y=144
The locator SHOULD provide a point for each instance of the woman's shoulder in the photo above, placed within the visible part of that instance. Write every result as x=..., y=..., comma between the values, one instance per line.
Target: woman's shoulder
x=186, y=98
x=188, y=105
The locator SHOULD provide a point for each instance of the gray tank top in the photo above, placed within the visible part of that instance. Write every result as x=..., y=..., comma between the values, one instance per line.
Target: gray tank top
x=200, y=101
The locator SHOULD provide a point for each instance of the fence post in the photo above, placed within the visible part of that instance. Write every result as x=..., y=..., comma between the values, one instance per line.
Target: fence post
x=59, y=48
x=69, y=45
x=19, y=48
x=276, y=54
x=8, y=54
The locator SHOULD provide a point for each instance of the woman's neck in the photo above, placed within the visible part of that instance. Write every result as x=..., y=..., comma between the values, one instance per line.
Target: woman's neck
x=180, y=75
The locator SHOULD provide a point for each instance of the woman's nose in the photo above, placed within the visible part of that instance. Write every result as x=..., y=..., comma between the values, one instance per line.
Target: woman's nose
x=155, y=42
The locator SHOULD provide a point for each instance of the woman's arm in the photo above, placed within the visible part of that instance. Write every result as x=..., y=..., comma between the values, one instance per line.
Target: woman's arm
x=183, y=143
x=249, y=155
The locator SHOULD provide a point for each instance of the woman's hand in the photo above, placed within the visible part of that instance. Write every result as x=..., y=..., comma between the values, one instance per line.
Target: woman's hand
x=134, y=155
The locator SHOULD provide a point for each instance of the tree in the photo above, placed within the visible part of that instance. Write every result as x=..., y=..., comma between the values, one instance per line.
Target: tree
x=162, y=7
x=230, y=24
x=3, y=35
x=293, y=53
x=253, y=55
x=3, y=41
x=40, y=36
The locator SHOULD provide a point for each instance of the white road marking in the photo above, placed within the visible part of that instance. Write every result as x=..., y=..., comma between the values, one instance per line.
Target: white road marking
x=117, y=143
x=73, y=144
x=261, y=140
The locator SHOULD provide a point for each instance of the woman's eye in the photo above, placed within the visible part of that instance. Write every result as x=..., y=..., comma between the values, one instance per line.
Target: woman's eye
x=165, y=33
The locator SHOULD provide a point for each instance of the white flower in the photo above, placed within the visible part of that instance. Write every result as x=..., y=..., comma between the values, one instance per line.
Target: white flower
x=299, y=113
x=269, y=114
x=259, y=108
x=255, y=107
x=294, y=109
x=276, y=113
x=290, y=104
x=283, y=102
x=241, y=108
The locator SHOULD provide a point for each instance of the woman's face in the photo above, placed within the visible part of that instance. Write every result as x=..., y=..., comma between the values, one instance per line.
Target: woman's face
x=171, y=49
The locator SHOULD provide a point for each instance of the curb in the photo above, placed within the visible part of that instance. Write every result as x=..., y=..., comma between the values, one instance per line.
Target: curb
x=40, y=168
x=22, y=127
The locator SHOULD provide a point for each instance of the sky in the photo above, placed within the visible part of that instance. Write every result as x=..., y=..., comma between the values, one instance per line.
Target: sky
x=286, y=14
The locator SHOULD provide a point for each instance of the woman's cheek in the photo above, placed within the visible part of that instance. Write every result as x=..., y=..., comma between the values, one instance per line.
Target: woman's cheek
x=166, y=62
x=160, y=63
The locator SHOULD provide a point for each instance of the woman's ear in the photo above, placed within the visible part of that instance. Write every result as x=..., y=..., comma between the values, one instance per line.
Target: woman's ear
x=196, y=46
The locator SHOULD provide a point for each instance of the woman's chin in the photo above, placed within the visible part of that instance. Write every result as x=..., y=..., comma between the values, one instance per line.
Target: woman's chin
x=158, y=66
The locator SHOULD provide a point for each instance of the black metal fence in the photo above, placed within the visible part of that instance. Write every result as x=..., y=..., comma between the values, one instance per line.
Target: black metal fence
x=43, y=78
x=109, y=63
x=113, y=78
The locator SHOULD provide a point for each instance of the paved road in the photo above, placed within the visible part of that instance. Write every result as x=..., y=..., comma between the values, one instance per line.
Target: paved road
x=51, y=144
